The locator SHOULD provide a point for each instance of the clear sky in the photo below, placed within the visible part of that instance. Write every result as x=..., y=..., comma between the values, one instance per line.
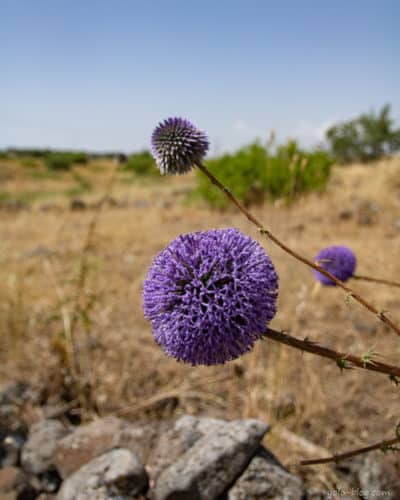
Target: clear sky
x=99, y=74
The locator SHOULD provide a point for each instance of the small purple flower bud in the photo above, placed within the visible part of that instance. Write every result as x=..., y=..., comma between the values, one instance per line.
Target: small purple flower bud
x=177, y=145
x=340, y=261
x=209, y=296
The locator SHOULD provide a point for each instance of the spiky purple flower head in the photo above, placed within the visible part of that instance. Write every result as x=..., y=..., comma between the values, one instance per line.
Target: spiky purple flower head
x=339, y=261
x=209, y=296
x=177, y=145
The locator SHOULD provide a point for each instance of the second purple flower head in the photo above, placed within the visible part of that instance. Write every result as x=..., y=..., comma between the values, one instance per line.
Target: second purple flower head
x=340, y=261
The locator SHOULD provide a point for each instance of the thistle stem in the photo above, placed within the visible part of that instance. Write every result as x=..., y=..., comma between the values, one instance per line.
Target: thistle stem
x=379, y=314
x=375, y=280
x=344, y=360
x=382, y=445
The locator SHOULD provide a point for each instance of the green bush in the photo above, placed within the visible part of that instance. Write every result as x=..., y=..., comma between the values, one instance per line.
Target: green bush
x=243, y=172
x=58, y=161
x=65, y=160
x=292, y=171
x=254, y=174
x=141, y=163
x=79, y=157
x=364, y=139
x=22, y=153
x=76, y=156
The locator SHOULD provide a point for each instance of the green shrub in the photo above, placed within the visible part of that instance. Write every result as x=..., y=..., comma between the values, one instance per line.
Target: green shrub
x=65, y=160
x=58, y=161
x=243, y=172
x=254, y=174
x=79, y=157
x=34, y=153
x=292, y=171
x=141, y=163
x=364, y=139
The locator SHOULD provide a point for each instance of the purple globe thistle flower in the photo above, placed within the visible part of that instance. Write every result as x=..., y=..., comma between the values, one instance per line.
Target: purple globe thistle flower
x=177, y=145
x=340, y=261
x=209, y=296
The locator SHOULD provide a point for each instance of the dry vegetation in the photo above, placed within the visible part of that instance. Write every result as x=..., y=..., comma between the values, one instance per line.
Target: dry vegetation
x=41, y=251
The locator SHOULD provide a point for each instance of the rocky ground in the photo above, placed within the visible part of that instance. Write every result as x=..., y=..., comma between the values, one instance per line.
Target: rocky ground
x=186, y=458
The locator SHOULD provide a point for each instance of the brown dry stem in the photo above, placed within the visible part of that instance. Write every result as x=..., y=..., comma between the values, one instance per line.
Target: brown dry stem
x=350, y=292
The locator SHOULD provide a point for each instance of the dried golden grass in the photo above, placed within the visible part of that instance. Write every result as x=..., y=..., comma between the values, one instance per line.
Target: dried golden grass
x=129, y=375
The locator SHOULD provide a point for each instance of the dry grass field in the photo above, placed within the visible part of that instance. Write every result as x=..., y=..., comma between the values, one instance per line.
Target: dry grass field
x=79, y=272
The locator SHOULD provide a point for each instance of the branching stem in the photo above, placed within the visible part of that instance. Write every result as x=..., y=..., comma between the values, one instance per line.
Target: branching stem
x=379, y=314
x=343, y=360
x=376, y=280
x=382, y=445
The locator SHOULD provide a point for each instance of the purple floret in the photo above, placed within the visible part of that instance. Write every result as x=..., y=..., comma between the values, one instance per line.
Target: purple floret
x=340, y=261
x=177, y=145
x=209, y=296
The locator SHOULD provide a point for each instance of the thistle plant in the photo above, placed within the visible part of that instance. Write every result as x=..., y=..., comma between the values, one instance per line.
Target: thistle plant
x=177, y=145
x=170, y=161
x=211, y=295
x=341, y=262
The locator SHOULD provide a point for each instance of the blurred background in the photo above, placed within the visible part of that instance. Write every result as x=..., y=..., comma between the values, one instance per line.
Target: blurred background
x=301, y=103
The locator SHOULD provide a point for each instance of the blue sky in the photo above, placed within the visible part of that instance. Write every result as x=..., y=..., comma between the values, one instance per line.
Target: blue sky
x=100, y=74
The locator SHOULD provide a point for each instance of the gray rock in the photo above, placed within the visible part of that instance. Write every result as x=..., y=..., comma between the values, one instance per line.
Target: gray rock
x=10, y=448
x=379, y=478
x=77, y=204
x=117, y=474
x=265, y=478
x=177, y=439
x=13, y=393
x=37, y=453
x=214, y=461
x=91, y=440
x=13, y=397
x=198, y=425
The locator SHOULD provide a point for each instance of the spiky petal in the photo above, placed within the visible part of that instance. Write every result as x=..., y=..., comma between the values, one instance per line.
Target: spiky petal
x=209, y=296
x=177, y=145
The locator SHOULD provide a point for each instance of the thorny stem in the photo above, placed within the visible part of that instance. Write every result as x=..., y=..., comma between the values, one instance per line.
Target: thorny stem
x=375, y=280
x=379, y=314
x=343, y=360
x=382, y=445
